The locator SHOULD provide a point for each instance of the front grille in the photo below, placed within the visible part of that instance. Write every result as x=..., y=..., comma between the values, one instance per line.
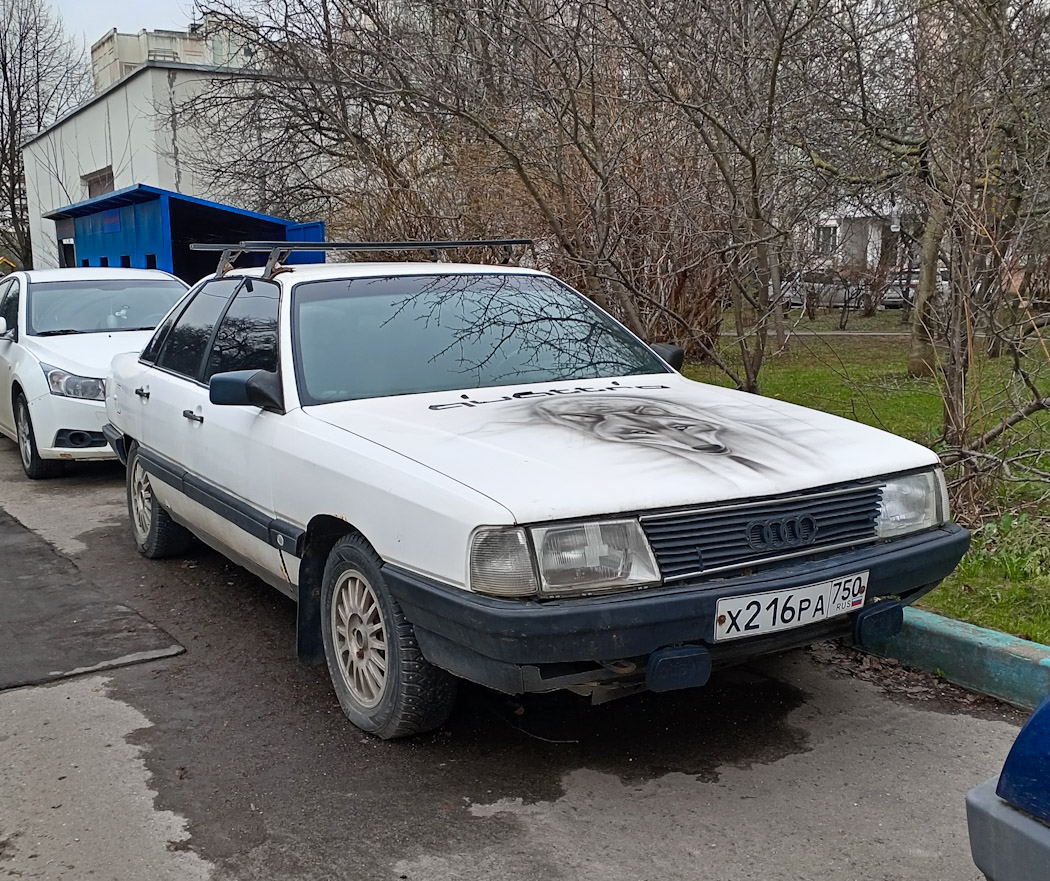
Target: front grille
x=699, y=542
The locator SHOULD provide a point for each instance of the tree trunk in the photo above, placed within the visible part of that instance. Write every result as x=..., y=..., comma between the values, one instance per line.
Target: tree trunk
x=922, y=356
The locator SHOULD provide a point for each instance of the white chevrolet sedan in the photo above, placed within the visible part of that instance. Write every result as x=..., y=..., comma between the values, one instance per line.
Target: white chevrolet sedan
x=59, y=330
x=472, y=472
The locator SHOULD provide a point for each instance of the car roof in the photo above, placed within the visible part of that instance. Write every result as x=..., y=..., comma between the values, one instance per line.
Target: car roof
x=95, y=273
x=294, y=273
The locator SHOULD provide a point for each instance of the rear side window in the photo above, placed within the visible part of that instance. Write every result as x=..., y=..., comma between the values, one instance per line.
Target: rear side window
x=247, y=335
x=183, y=349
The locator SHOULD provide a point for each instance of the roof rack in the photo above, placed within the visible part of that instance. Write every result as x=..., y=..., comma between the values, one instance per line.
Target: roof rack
x=279, y=251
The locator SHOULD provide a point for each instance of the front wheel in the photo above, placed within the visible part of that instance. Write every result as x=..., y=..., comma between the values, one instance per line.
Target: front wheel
x=384, y=684
x=156, y=534
x=34, y=467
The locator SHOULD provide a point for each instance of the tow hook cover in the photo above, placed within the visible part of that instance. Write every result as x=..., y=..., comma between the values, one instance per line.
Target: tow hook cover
x=675, y=667
x=878, y=622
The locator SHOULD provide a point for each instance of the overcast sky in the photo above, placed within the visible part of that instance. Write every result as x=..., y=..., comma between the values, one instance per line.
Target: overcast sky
x=90, y=19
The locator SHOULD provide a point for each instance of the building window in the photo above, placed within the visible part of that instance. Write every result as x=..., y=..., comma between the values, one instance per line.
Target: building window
x=125, y=261
x=99, y=182
x=151, y=261
x=85, y=262
x=827, y=239
x=103, y=261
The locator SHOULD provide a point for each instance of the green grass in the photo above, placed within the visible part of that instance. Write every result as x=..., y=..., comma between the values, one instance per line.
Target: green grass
x=859, y=378
x=1004, y=583
x=886, y=321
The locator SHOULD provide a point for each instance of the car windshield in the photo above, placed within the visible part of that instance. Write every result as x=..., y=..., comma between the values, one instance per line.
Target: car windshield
x=100, y=305
x=400, y=335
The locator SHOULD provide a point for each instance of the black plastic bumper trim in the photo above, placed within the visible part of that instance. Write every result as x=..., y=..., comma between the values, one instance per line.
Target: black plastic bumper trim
x=259, y=524
x=116, y=440
x=530, y=632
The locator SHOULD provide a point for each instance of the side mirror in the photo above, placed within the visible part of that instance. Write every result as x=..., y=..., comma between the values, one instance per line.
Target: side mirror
x=252, y=388
x=3, y=327
x=673, y=355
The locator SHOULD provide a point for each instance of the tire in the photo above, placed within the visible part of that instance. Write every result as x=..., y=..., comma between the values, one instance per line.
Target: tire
x=156, y=535
x=34, y=467
x=384, y=684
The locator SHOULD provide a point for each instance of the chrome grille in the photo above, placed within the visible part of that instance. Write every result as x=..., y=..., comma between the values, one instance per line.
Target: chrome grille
x=702, y=541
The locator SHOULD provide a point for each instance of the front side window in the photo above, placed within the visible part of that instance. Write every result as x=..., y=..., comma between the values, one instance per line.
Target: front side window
x=9, y=303
x=400, y=335
x=247, y=335
x=100, y=306
x=183, y=349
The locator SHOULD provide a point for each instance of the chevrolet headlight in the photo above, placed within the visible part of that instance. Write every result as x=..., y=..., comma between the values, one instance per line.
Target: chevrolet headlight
x=593, y=557
x=69, y=385
x=912, y=503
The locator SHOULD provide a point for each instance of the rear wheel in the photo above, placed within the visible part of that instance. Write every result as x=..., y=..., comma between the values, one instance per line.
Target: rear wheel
x=34, y=467
x=384, y=684
x=156, y=534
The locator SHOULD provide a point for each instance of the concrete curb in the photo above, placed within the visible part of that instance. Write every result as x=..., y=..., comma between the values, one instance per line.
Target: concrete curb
x=993, y=663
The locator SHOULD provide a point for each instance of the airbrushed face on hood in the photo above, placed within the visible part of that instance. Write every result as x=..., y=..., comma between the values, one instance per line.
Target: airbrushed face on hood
x=661, y=426
x=570, y=449
x=706, y=435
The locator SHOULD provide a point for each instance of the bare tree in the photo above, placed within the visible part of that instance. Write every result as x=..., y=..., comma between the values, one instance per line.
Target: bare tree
x=42, y=75
x=739, y=76
x=435, y=118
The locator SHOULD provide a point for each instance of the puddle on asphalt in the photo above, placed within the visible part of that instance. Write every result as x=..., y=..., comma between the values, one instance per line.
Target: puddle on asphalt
x=737, y=719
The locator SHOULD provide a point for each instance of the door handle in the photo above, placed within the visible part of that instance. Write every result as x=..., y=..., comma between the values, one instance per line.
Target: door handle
x=193, y=417
x=142, y=393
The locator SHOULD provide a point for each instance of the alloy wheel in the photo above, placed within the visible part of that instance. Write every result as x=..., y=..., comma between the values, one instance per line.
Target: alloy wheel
x=141, y=501
x=25, y=436
x=360, y=638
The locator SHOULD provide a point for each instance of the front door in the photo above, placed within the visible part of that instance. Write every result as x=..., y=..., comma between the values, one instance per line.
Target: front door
x=9, y=352
x=220, y=456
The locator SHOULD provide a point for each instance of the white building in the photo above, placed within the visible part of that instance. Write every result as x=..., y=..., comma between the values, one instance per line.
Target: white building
x=125, y=135
x=208, y=42
x=112, y=183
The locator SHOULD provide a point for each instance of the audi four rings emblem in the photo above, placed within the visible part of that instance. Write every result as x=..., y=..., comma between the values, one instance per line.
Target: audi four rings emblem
x=781, y=532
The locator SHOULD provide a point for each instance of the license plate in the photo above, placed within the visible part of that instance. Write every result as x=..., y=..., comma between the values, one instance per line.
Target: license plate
x=760, y=613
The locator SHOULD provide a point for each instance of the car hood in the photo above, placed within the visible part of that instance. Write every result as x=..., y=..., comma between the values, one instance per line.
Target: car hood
x=568, y=449
x=87, y=354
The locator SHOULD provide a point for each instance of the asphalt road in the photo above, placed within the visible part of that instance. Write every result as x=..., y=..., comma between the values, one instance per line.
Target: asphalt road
x=232, y=761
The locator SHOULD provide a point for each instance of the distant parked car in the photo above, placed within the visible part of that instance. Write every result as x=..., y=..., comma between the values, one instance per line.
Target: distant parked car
x=59, y=329
x=1009, y=815
x=901, y=286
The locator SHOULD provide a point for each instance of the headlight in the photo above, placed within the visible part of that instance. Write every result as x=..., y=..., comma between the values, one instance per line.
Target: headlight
x=593, y=557
x=71, y=386
x=501, y=564
x=912, y=503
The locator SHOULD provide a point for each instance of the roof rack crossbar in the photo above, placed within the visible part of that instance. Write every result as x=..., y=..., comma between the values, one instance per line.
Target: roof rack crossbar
x=279, y=251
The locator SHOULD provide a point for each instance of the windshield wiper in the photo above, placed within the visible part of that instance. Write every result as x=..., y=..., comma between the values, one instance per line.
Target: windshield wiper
x=63, y=332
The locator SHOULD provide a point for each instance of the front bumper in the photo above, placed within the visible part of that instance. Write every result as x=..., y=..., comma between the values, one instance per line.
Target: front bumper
x=54, y=416
x=519, y=646
x=1005, y=843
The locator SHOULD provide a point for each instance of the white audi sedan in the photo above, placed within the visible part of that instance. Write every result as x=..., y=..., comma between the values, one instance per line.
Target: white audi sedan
x=466, y=471
x=59, y=330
